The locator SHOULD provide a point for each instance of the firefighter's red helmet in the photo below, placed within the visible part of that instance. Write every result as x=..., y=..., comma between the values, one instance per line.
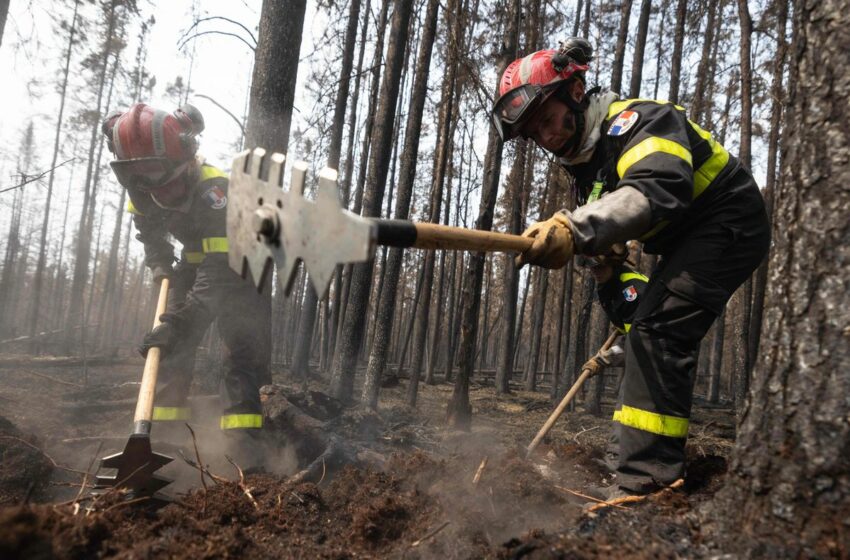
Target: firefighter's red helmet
x=151, y=146
x=528, y=81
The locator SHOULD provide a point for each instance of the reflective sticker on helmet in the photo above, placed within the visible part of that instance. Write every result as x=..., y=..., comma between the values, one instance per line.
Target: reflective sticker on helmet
x=215, y=197
x=630, y=293
x=623, y=123
x=157, y=132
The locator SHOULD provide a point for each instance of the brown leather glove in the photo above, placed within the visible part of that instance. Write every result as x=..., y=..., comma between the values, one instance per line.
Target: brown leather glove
x=594, y=365
x=553, y=243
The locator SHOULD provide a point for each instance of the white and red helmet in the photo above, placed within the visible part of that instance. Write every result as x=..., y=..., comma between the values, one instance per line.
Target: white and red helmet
x=151, y=146
x=528, y=81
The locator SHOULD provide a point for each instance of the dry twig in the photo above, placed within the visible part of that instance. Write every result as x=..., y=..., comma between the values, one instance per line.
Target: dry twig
x=429, y=535
x=49, y=378
x=586, y=497
x=575, y=437
x=46, y=456
x=635, y=499
x=214, y=477
x=198, y=457
x=88, y=470
x=242, y=484
x=477, y=478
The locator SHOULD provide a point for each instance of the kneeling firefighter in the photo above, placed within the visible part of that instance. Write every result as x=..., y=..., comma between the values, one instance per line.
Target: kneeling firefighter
x=172, y=191
x=642, y=171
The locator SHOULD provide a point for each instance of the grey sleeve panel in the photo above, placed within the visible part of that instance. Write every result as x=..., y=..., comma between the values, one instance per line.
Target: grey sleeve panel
x=616, y=218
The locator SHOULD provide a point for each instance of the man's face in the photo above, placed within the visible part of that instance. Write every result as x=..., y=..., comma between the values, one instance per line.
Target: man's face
x=552, y=126
x=173, y=193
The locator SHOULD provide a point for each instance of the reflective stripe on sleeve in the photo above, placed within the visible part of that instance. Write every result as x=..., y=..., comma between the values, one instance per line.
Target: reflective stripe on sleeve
x=708, y=171
x=627, y=327
x=649, y=146
x=661, y=424
x=131, y=208
x=626, y=276
x=168, y=413
x=214, y=244
x=193, y=257
x=211, y=172
x=237, y=421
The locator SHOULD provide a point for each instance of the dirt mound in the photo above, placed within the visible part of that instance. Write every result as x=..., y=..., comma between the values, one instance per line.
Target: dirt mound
x=359, y=513
x=24, y=470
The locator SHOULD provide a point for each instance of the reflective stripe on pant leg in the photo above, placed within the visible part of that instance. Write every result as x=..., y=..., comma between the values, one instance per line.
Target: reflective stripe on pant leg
x=238, y=421
x=661, y=424
x=171, y=413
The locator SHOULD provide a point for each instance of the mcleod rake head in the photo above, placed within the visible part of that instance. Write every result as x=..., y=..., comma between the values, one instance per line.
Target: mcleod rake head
x=266, y=223
x=135, y=468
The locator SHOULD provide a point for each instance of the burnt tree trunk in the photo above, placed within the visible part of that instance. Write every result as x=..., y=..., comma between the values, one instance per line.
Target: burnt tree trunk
x=790, y=472
x=386, y=309
x=345, y=361
x=620, y=48
x=640, y=47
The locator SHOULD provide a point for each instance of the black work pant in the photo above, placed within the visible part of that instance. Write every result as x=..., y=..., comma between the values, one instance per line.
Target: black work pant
x=686, y=293
x=244, y=325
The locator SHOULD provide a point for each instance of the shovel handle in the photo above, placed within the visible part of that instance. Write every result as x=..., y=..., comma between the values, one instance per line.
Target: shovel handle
x=421, y=235
x=562, y=406
x=144, y=406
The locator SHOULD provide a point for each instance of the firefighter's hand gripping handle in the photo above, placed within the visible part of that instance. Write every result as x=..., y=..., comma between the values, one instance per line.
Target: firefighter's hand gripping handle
x=144, y=406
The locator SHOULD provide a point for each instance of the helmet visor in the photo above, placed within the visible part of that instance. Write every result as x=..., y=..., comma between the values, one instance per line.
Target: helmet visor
x=148, y=173
x=514, y=107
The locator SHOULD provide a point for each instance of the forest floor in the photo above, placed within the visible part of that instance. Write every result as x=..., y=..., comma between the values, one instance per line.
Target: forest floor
x=421, y=502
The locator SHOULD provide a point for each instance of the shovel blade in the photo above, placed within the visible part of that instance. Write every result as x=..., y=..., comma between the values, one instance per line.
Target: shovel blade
x=135, y=467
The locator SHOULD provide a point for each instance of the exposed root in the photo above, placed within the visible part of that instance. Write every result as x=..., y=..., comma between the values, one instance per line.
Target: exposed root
x=635, y=499
x=244, y=487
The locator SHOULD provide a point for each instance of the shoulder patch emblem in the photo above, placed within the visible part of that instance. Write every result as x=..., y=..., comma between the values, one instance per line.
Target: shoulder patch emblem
x=215, y=197
x=623, y=123
x=630, y=293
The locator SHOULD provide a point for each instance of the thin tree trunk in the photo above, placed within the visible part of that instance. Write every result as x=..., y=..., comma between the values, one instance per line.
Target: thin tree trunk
x=698, y=104
x=620, y=49
x=385, y=312
x=342, y=377
x=678, y=45
x=640, y=47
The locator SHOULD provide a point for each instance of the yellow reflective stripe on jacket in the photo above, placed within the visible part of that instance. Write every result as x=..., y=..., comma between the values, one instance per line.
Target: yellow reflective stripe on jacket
x=210, y=172
x=237, y=421
x=661, y=424
x=193, y=257
x=620, y=106
x=626, y=276
x=649, y=146
x=214, y=244
x=708, y=171
x=166, y=413
x=131, y=208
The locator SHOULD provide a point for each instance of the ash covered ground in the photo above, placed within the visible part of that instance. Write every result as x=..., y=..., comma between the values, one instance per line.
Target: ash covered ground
x=396, y=484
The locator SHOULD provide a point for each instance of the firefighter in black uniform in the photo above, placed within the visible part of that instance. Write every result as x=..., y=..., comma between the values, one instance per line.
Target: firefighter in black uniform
x=173, y=192
x=646, y=172
x=619, y=289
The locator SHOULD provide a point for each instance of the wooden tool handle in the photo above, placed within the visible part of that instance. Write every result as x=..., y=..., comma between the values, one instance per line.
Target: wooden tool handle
x=144, y=406
x=402, y=233
x=562, y=406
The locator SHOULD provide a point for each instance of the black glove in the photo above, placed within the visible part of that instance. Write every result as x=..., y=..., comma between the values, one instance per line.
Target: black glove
x=163, y=336
x=161, y=271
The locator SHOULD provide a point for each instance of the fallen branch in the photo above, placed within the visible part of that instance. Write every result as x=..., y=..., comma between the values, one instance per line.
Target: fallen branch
x=46, y=456
x=586, y=497
x=49, y=378
x=635, y=499
x=477, y=478
x=432, y=534
x=575, y=437
x=242, y=484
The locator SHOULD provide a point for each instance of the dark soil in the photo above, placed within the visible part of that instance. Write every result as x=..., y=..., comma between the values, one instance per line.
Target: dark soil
x=421, y=504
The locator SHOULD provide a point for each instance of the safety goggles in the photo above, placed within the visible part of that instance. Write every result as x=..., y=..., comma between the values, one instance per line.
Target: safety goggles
x=513, y=108
x=146, y=174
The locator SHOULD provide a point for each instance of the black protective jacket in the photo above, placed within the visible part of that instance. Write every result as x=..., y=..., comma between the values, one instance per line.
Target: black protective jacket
x=658, y=174
x=201, y=227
